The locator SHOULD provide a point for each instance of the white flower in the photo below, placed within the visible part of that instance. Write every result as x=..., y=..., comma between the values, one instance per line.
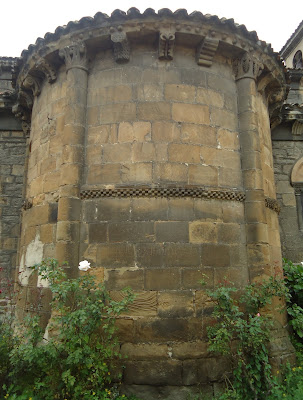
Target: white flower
x=84, y=265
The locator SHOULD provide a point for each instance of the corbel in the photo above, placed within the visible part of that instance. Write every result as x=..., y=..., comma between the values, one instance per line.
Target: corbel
x=206, y=51
x=22, y=110
x=121, y=46
x=32, y=83
x=166, y=45
x=47, y=69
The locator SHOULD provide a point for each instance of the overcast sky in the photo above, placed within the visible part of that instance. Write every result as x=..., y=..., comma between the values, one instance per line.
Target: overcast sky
x=23, y=21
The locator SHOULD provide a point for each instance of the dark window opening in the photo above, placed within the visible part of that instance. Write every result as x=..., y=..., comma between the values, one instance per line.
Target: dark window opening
x=297, y=60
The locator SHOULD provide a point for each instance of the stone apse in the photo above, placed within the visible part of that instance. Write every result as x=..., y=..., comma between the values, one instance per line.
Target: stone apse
x=149, y=154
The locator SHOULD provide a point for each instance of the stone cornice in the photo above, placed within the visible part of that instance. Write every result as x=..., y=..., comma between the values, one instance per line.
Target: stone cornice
x=8, y=63
x=225, y=30
x=206, y=35
x=101, y=20
x=295, y=74
x=292, y=41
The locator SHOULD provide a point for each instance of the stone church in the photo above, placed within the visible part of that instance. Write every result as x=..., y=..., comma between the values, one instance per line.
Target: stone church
x=162, y=148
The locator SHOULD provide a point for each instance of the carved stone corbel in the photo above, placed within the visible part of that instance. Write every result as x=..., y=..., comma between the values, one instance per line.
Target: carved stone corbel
x=121, y=47
x=166, y=45
x=275, y=104
x=47, y=69
x=247, y=67
x=206, y=51
x=22, y=110
x=74, y=56
x=32, y=83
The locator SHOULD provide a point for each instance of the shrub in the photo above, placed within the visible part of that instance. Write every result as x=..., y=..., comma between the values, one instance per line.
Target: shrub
x=294, y=282
x=241, y=332
x=78, y=360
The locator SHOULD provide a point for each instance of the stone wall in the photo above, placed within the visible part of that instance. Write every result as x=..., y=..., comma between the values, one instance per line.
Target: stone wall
x=12, y=174
x=12, y=165
x=286, y=154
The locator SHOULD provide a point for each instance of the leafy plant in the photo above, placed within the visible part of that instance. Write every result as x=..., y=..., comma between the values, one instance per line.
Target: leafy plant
x=241, y=332
x=78, y=358
x=294, y=282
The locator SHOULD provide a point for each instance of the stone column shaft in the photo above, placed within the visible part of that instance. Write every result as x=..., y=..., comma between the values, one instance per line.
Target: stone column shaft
x=258, y=255
x=69, y=207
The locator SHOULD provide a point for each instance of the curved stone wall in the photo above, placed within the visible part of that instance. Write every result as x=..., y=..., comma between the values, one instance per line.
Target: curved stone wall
x=151, y=157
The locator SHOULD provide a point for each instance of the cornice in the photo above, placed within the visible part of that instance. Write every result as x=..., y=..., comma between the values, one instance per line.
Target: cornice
x=117, y=17
x=8, y=63
x=206, y=34
x=292, y=41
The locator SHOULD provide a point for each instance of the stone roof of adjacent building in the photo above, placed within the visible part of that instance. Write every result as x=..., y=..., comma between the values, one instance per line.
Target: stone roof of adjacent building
x=292, y=41
x=8, y=62
x=101, y=19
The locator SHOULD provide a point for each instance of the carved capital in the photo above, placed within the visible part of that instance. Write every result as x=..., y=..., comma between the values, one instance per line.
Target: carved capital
x=32, y=83
x=206, y=51
x=121, y=46
x=247, y=67
x=166, y=45
x=74, y=56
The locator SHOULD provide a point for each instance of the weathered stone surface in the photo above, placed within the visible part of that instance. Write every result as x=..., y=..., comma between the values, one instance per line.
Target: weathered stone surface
x=191, y=113
x=116, y=255
x=162, y=279
x=149, y=372
x=176, y=304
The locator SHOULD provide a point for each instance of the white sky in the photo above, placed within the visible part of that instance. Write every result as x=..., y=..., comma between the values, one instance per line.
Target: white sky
x=23, y=21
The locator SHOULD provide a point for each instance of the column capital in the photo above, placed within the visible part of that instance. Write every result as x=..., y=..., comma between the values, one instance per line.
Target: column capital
x=74, y=56
x=247, y=67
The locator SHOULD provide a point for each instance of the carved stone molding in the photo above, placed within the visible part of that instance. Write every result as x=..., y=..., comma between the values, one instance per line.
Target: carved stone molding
x=135, y=191
x=247, y=67
x=272, y=204
x=121, y=46
x=166, y=45
x=297, y=128
x=206, y=51
x=74, y=56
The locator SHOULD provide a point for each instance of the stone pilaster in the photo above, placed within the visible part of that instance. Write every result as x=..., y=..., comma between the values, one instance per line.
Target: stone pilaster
x=69, y=207
x=258, y=256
